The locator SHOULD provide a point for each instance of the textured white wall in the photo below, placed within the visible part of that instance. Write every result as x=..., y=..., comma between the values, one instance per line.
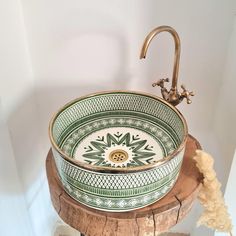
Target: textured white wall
x=76, y=47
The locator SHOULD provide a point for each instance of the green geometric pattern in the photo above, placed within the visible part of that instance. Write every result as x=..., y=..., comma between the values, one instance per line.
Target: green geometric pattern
x=141, y=151
x=118, y=204
x=162, y=136
x=116, y=181
x=120, y=191
x=117, y=101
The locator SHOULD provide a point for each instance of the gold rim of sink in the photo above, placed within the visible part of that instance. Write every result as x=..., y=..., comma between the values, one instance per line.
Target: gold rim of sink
x=115, y=169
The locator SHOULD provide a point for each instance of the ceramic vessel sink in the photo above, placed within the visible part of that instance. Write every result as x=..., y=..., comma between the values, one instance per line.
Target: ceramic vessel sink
x=118, y=151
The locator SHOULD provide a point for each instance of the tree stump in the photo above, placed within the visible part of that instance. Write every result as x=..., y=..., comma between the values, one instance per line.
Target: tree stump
x=149, y=221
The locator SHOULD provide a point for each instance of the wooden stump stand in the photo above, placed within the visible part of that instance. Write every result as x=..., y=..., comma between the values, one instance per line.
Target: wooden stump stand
x=150, y=220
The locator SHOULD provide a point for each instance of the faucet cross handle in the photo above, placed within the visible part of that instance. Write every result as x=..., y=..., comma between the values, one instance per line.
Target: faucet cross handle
x=186, y=94
x=172, y=96
x=161, y=83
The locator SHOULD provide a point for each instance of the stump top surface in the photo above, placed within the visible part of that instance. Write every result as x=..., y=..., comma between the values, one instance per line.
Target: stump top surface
x=149, y=220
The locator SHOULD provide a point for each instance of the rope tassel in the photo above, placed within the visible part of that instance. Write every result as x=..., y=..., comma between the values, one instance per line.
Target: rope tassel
x=215, y=214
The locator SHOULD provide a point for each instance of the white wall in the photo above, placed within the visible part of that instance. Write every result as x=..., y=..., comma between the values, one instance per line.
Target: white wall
x=224, y=129
x=225, y=114
x=85, y=46
x=65, y=49
x=230, y=196
x=22, y=173
x=15, y=83
x=13, y=209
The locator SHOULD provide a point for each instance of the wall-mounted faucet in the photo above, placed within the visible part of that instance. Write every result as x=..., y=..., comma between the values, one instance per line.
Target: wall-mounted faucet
x=173, y=96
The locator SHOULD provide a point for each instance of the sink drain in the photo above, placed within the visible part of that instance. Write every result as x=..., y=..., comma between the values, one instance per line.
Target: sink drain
x=118, y=156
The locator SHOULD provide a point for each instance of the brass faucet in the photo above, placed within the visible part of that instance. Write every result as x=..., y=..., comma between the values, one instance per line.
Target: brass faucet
x=173, y=96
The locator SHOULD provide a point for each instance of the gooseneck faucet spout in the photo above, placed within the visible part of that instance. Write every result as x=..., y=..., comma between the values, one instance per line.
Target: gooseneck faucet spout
x=172, y=96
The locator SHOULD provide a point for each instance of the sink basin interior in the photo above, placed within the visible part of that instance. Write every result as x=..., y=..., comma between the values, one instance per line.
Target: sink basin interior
x=118, y=129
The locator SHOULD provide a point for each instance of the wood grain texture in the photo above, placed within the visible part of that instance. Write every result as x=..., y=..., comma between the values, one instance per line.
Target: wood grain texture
x=147, y=221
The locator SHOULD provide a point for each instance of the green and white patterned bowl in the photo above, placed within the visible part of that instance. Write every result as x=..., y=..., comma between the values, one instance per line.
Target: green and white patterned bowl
x=118, y=151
